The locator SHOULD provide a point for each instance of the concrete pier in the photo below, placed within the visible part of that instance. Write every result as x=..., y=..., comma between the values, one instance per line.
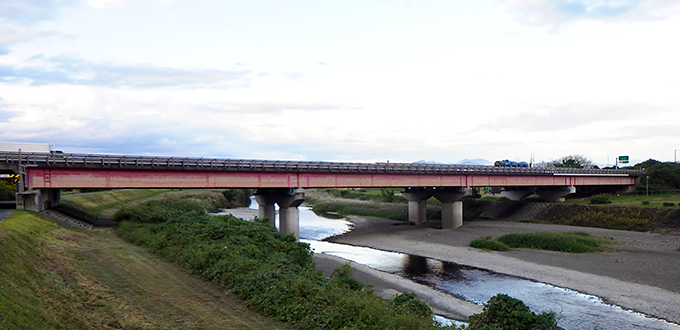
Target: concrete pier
x=288, y=201
x=452, y=206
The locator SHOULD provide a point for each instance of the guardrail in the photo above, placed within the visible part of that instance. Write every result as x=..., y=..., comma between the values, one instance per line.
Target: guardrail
x=62, y=160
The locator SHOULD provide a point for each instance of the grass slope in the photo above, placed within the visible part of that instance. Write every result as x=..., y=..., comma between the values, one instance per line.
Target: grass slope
x=57, y=278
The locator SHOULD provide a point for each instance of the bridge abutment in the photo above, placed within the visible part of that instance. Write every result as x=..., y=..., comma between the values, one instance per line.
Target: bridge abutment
x=38, y=200
x=288, y=201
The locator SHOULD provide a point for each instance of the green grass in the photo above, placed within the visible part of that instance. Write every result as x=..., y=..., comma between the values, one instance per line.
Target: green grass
x=42, y=288
x=489, y=244
x=272, y=271
x=575, y=242
x=632, y=200
x=103, y=204
x=106, y=204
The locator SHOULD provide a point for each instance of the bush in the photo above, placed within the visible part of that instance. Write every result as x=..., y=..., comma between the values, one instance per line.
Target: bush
x=7, y=190
x=563, y=242
x=487, y=243
x=158, y=211
x=600, y=200
x=273, y=272
x=610, y=218
x=237, y=197
x=503, y=312
x=668, y=204
x=645, y=202
x=387, y=195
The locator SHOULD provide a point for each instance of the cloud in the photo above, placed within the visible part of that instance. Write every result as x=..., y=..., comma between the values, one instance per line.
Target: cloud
x=264, y=107
x=30, y=11
x=537, y=118
x=558, y=12
x=76, y=71
x=104, y=3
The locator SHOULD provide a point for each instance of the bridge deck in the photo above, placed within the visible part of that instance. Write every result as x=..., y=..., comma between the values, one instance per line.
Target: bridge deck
x=57, y=170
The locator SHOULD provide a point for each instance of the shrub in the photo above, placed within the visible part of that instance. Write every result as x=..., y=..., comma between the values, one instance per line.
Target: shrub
x=158, y=211
x=620, y=219
x=487, y=243
x=387, y=195
x=600, y=200
x=7, y=190
x=503, y=312
x=273, y=272
x=645, y=202
x=668, y=204
x=564, y=242
x=237, y=197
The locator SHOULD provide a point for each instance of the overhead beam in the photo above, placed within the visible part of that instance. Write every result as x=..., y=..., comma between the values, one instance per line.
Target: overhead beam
x=66, y=178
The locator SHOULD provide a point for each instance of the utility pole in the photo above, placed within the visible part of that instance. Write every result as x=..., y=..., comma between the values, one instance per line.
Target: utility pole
x=647, y=187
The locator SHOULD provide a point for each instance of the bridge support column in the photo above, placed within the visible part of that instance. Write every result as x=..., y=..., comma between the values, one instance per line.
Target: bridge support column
x=554, y=193
x=266, y=208
x=452, y=207
x=417, y=207
x=288, y=201
x=38, y=200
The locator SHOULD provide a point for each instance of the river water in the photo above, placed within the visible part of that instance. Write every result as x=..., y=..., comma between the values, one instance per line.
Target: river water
x=575, y=310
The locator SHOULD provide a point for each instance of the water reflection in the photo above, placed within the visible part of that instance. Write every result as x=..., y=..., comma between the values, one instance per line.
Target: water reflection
x=575, y=310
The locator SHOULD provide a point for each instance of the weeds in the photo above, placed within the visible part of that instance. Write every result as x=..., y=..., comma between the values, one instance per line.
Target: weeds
x=272, y=271
x=576, y=242
x=42, y=288
x=489, y=244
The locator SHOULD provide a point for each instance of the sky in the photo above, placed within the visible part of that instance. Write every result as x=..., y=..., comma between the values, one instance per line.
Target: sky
x=350, y=81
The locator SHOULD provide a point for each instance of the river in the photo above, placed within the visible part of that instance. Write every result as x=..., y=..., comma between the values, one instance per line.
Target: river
x=575, y=310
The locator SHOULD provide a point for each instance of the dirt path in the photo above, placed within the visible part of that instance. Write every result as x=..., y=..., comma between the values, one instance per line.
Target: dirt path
x=165, y=292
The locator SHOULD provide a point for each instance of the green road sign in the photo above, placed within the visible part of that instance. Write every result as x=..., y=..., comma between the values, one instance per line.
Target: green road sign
x=623, y=159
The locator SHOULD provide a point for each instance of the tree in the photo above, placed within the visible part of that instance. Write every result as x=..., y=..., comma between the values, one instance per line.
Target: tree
x=503, y=312
x=574, y=161
x=662, y=176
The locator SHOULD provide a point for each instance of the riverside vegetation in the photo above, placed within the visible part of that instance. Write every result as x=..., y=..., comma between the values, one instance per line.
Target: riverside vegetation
x=576, y=242
x=58, y=278
x=271, y=271
x=276, y=273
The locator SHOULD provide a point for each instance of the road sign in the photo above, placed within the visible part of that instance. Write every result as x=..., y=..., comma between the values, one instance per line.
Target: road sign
x=623, y=159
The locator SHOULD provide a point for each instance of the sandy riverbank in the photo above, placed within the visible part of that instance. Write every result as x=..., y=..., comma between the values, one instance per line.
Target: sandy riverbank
x=643, y=274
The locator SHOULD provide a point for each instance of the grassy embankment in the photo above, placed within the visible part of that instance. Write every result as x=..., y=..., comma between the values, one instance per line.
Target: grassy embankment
x=106, y=204
x=57, y=278
x=42, y=287
x=272, y=271
x=631, y=200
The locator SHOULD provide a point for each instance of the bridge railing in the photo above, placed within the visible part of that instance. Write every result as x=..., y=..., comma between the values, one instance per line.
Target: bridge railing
x=62, y=160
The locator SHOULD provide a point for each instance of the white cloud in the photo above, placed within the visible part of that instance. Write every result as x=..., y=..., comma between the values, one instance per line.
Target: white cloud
x=558, y=12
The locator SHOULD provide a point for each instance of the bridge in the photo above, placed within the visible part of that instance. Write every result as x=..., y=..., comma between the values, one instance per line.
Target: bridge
x=43, y=175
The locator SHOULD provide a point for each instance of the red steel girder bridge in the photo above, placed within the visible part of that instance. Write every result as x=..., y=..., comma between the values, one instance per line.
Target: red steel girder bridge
x=42, y=175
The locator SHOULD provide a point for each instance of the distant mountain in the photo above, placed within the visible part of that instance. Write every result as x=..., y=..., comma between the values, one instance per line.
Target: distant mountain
x=422, y=161
x=476, y=161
